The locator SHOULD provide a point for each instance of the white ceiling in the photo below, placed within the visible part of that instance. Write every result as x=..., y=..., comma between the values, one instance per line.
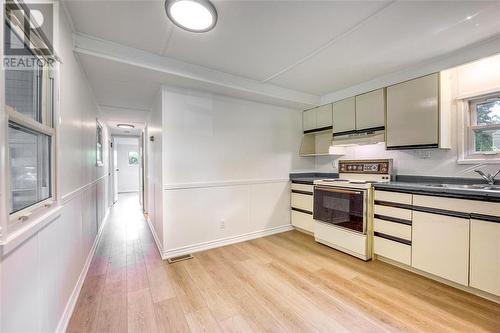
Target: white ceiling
x=314, y=47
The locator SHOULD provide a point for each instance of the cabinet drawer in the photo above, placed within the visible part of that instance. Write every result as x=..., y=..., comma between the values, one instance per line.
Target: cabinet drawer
x=302, y=201
x=303, y=221
x=458, y=205
x=392, y=250
x=402, y=198
x=302, y=187
x=399, y=213
x=392, y=228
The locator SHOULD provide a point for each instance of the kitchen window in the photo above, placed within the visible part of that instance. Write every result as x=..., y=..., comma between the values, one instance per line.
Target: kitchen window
x=29, y=106
x=481, y=139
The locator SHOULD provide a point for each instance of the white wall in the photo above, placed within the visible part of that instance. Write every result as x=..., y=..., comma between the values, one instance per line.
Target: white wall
x=226, y=167
x=128, y=175
x=40, y=276
x=154, y=170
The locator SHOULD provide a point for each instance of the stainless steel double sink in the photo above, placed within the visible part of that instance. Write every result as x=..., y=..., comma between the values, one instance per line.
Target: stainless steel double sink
x=481, y=187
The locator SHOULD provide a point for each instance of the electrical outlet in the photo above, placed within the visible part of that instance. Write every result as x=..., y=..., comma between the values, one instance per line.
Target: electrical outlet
x=222, y=224
x=423, y=154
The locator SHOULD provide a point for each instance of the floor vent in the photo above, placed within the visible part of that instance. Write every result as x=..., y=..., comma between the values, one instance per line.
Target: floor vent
x=179, y=258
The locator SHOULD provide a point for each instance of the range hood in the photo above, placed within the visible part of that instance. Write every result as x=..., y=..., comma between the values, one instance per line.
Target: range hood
x=359, y=137
x=316, y=143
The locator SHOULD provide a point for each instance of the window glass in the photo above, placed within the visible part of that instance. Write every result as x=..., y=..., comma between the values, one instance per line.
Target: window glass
x=23, y=77
x=99, y=144
x=29, y=159
x=487, y=140
x=133, y=158
x=488, y=113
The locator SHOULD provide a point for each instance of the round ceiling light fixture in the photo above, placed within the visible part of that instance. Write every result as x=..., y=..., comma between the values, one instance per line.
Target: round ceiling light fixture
x=192, y=15
x=125, y=126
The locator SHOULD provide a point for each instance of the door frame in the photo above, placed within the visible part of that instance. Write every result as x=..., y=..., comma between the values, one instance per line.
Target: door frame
x=111, y=168
x=115, y=165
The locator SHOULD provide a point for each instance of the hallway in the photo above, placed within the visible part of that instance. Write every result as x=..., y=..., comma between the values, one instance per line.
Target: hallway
x=121, y=273
x=281, y=283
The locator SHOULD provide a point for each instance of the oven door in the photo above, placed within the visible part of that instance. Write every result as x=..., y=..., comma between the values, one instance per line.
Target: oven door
x=341, y=207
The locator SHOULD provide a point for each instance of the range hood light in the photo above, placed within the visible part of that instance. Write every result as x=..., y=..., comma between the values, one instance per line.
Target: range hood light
x=125, y=126
x=336, y=150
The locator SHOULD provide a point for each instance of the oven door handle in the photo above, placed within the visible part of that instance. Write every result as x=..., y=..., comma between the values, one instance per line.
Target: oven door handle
x=337, y=190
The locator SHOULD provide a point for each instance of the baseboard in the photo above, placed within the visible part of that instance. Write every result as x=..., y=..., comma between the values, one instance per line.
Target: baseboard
x=70, y=306
x=155, y=235
x=225, y=241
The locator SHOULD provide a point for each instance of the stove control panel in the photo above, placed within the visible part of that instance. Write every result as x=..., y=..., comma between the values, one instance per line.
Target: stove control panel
x=383, y=167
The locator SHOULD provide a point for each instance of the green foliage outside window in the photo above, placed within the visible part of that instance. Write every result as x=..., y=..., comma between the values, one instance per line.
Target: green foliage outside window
x=133, y=158
x=487, y=140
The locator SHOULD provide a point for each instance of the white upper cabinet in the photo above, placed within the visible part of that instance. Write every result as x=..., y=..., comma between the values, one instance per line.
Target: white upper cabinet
x=324, y=116
x=413, y=113
x=309, y=120
x=344, y=115
x=370, y=110
x=317, y=118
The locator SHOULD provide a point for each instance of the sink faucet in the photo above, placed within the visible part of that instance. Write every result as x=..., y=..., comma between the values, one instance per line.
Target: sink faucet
x=489, y=177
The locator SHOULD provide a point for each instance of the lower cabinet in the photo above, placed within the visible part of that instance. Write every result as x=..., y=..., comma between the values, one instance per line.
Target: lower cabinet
x=303, y=221
x=301, y=202
x=440, y=246
x=393, y=250
x=485, y=256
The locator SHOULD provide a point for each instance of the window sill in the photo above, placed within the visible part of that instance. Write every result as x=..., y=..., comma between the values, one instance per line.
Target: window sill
x=495, y=160
x=12, y=240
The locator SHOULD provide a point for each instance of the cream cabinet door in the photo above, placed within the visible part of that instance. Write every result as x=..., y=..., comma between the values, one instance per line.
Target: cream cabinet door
x=440, y=246
x=370, y=110
x=485, y=256
x=324, y=116
x=309, y=119
x=344, y=115
x=413, y=113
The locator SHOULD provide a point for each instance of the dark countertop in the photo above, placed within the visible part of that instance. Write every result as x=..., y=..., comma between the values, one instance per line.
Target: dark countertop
x=309, y=177
x=419, y=185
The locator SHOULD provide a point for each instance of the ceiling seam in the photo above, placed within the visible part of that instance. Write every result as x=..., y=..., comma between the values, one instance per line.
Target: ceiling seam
x=170, y=32
x=123, y=107
x=330, y=42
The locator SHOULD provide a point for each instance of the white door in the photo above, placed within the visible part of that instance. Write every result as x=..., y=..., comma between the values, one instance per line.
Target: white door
x=115, y=173
x=111, y=196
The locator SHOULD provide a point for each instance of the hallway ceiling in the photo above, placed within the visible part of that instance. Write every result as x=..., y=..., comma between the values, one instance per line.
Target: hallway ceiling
x=314, y=47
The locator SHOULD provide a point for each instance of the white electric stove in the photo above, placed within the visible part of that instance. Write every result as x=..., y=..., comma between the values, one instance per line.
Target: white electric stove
x=343, y=206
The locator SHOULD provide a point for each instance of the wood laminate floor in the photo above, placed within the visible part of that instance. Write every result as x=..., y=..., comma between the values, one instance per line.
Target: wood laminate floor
x=281, y=283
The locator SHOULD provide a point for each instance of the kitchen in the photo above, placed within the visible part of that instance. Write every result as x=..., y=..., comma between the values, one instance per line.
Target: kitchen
x=303, y=166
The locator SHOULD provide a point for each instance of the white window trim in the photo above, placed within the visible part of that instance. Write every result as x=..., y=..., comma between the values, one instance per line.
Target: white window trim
x=30, y=214
x=39, y=207
x=464, y=140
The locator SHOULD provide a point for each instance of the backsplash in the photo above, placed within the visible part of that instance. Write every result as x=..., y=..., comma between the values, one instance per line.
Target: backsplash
x=428, y=162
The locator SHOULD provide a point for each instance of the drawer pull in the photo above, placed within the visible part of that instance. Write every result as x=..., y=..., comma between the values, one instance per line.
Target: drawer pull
x=302, y=192
x=302, y=211
x=392, y=204
x=392, y=238
x=392, y=219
